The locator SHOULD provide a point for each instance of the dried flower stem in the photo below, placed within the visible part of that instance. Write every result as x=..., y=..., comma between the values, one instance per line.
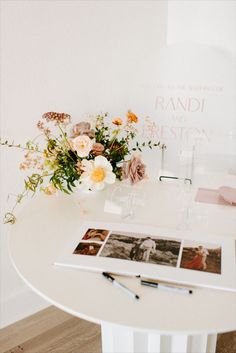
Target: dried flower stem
x=30, y=149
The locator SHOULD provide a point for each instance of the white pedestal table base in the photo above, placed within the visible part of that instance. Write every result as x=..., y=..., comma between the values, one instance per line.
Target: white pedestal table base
x=120, y=339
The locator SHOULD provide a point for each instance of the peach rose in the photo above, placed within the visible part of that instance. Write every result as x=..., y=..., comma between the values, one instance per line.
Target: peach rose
x=97, y=149
x=82, y=145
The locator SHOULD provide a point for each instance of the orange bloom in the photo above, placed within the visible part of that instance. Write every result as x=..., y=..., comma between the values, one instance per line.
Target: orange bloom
x=117, y=121
x=132, y=118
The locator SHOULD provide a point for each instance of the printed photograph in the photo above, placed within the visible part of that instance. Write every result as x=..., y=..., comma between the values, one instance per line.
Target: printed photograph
x=87, y=249
x=96, y=234
x=201, y=256
x=142, y=248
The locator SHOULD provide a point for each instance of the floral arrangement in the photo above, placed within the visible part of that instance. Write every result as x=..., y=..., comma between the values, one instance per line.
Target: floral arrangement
x=91, y=154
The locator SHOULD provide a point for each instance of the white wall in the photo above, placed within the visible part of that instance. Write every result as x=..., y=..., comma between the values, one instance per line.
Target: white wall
x=72, y=56
x=86, y=56
x=209, y=22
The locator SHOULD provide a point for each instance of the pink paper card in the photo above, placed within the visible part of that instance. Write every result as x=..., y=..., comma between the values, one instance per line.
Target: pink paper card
x=210, y=196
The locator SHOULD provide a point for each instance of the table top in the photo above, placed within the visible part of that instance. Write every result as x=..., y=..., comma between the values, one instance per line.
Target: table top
x=44, y=224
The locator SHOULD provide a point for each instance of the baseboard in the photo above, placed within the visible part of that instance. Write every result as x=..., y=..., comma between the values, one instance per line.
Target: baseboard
x=20, y=305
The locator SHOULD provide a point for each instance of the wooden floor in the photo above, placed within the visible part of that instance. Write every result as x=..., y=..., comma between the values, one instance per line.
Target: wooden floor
x=52, y=330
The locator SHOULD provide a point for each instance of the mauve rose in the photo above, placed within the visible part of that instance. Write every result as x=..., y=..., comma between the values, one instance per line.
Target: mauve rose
x=91, y=133
x=83, y=128
x=134, y=170
x=97, y=149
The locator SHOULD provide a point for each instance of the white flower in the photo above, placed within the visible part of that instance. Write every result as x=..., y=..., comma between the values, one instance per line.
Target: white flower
x=82, y=145
x=97, y=173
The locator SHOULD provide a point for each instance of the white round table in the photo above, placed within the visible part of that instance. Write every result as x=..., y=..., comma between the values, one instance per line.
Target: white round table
x=160, y=321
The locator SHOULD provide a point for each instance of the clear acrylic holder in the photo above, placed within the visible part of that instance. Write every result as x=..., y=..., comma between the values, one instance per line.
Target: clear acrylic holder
x=185, y=164
x=127, y=197
x=184, y=200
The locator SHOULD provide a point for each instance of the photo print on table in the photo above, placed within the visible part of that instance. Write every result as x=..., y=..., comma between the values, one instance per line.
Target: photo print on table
x=200, y=256
x=142, y=248
x=96, y=234
x=87, y=249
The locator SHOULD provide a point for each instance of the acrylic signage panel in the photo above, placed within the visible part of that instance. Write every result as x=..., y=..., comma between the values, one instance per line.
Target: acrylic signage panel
x=156, y=253
x=192, y=103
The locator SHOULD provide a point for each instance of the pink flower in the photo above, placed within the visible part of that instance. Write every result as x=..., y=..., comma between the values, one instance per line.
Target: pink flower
x=97, y=149
x=134, y=170
x=82, y=145
x=83, y=128
x=40, y=125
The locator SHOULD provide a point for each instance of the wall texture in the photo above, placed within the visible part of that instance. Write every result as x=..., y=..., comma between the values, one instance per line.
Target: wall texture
x=79, y=57
x=205, y=22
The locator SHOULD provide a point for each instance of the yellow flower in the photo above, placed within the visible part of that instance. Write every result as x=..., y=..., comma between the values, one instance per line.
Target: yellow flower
x=50, y=163
x=50, y=189
x=98, y=175
x=132, y=118
x=117, y=121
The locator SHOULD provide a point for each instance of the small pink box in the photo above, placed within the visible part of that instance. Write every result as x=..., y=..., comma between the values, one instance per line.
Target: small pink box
x=211, y=196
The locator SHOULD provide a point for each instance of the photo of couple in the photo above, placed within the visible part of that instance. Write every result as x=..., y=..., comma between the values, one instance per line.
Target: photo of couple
x=142, y=248
x=90, y=249
x=96, y=234
x=192, y=255
x=201, y=257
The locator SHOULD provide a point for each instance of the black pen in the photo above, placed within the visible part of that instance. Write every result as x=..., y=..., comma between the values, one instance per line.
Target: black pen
x=166, y=286
x=120, y=285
